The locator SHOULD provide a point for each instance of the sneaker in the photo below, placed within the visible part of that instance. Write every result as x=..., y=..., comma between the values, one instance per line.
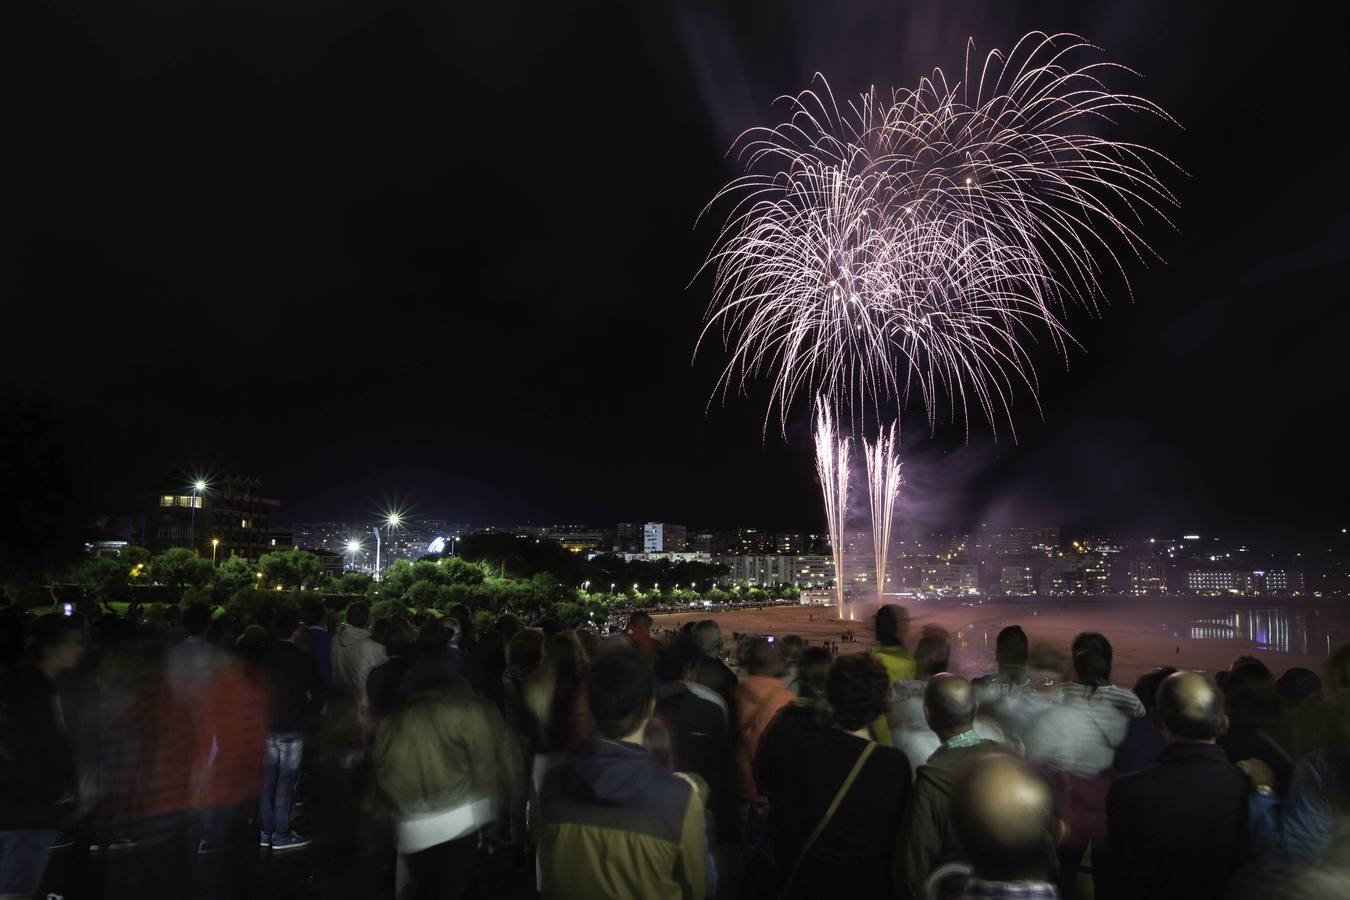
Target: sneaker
x=289, y=841
x=264, y=838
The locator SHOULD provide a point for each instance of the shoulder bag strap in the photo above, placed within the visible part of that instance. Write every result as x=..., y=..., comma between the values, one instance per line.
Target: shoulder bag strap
x=829, y=813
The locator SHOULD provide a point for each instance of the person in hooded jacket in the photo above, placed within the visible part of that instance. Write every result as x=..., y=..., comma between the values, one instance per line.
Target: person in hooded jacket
x=355, y=654
x=615, y=823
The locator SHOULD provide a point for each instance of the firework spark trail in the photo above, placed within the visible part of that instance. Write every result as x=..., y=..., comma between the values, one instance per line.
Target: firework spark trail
x=883, y=488
x=832, y=467
x=919, y=242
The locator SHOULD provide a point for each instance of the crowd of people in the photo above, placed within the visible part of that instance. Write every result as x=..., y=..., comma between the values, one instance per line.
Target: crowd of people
x=141, y=755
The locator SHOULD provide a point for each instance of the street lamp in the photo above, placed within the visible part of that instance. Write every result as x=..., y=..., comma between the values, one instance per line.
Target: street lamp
x=353, y=548
x=198, y=488
x=392, y=521
x=215, y=543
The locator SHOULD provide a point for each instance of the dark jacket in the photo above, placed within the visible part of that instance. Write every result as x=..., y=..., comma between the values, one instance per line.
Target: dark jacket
x=929, y=839
x=776, y=757
x=1142, y=746
x=297, y=687
x=616, y=824
x=715, y=674
x=852, y=856
x=701, y=743
x=384, y=686
x=37, y=770
x=320, y=644
x=1179, y=827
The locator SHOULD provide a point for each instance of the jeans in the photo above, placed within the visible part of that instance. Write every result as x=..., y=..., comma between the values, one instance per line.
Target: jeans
x=281, y=770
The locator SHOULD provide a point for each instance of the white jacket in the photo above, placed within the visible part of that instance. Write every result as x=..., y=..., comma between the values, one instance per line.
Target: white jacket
x=354, y=655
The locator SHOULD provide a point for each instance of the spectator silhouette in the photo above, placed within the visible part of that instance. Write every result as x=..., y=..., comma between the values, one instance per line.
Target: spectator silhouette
x=1178, y=827
x=929, y=837
x=1005, y=817
x=615, y=823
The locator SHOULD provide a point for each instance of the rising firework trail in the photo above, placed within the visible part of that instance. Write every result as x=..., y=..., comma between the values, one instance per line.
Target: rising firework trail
x=832, y=467
x=917, y=243
x=883, y=488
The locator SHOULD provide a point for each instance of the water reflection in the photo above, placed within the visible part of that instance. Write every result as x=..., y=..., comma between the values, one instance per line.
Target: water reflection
x=1276, y=629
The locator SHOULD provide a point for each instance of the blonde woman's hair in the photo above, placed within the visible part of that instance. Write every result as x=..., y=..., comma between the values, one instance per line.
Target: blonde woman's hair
x=563, y=656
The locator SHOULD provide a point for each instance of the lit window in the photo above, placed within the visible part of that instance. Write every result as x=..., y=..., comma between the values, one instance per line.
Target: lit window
x=243, y=523
x=166, y=501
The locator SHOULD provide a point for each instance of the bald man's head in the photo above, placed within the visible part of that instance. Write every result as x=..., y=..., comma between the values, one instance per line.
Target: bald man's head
x=949, y=705
x=1191, y=707
x=1005, y=816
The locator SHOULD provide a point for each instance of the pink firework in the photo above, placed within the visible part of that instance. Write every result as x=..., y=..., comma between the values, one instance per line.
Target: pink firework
x=883, y=489
x=917, y=243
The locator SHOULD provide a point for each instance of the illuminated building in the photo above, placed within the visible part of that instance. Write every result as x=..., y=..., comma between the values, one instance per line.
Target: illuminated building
x=661, y=537
x=1248, y=582
x=780, y=569
x=1017, y=581
x=1148, y=576
x=950, y=578
x=230, y=510
x=629, y=537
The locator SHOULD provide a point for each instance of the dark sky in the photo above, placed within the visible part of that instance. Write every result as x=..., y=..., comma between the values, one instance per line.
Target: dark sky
x=441, y=254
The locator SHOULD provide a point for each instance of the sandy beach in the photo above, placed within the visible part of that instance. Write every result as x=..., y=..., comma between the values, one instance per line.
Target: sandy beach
x=1196, y=633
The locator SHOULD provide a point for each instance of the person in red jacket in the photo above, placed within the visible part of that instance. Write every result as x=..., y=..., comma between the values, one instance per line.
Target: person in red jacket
x=227, y=772
x=758, y=697
x=640, y=633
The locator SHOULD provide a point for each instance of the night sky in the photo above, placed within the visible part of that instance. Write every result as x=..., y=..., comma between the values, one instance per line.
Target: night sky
x=444, y=254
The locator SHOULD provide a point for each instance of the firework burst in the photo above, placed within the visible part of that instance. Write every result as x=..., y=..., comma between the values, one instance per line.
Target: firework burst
x=917, y=243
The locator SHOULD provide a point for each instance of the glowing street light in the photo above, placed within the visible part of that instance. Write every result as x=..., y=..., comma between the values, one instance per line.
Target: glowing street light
x=353, y=547
x=215, y=544
x=198, y=488
x=392, y=520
